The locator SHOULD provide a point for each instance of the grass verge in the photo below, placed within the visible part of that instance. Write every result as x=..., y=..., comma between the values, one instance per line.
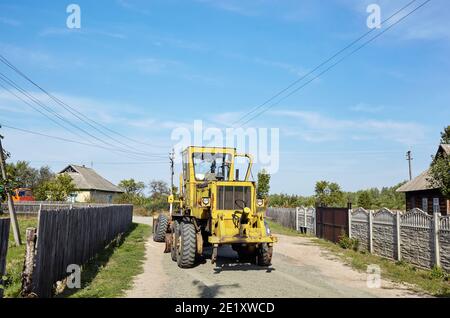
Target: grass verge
x=111, y=272
x=15, y=258
x=434, y=282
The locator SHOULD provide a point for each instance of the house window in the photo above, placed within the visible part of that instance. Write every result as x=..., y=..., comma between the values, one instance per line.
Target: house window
x=412, y=201
x=436, y=208
x=425, y=204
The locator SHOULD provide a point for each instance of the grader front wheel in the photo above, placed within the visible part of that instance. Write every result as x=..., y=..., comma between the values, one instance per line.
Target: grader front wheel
x=264, y=255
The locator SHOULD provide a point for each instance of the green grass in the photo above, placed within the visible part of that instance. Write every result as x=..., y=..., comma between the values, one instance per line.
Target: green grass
x=277, y=228
x=15, y=258
x=434, y=282
x=110, y=273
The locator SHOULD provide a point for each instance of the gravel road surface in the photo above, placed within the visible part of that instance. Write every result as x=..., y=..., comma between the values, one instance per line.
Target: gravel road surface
x=299, y=269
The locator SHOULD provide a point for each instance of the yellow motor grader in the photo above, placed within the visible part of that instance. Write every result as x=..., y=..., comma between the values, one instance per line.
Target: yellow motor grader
x=214, y=208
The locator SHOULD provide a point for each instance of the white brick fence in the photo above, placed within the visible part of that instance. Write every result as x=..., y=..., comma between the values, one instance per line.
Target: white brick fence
x=414, y=237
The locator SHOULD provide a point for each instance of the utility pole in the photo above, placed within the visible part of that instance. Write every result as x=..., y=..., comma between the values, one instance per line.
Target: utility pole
x=172, y=159
x=12, y=212
x=409, y=158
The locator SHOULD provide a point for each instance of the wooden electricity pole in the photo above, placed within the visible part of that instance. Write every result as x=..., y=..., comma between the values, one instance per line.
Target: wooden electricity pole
x=12, y=212
x=409, y=158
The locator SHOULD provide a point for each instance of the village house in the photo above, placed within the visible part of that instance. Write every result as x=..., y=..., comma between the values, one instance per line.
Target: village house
x=421, y=194
x=90, y=186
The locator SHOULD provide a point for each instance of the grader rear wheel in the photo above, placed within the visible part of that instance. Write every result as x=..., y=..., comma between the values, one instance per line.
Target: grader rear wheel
x=175, y=239
x=186, y=245
x=159, y=233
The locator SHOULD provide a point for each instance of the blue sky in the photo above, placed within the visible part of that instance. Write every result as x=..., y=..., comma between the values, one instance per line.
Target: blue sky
x=144, y=68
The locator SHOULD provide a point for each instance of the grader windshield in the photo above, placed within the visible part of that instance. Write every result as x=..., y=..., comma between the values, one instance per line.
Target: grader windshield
x=212, y=166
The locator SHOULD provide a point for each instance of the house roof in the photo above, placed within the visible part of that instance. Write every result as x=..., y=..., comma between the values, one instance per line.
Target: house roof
x=87, y=179
x=419, y=183
x=444, y=148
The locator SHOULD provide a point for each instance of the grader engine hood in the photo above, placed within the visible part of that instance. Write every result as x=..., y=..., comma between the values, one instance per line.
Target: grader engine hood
x=235, y=217
x=233, y=197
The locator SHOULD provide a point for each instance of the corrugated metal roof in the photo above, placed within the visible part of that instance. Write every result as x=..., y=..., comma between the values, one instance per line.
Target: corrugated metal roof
x=418, y=183
x=87, y=179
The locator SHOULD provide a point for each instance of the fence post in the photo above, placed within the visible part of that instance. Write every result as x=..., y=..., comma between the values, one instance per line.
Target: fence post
x=305, y=211
x=28, y=265
x=399, y=236
x=437, y=254
x=370, y=231
x=350, y=223
x=297, y=211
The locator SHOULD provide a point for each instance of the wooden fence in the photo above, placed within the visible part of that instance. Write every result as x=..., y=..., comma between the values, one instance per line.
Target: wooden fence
x=73, y=236
x=4, y=234
x=33, y=207
x=284, y=216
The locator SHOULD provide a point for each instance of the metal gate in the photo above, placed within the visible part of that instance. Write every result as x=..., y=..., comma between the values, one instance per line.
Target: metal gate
x=331, y=223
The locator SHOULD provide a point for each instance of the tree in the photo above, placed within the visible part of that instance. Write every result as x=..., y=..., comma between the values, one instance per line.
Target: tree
x=158, y=188
x=440, y=167
x=329, y=194
x=445, y=135
x=133, y=192
x=24, y=176
x=440, y=174
x=263, y=185
x=130, y=186
x=365, y=199
x=57, y=189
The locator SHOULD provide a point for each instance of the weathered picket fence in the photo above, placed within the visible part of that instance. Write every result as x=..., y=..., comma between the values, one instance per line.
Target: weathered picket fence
x=73, y=236
x=283, y=216
x=4, y=234
x=302, y=219
x=33, y=207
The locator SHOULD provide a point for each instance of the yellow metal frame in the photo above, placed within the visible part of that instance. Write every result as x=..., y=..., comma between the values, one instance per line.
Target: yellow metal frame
x=224, y=231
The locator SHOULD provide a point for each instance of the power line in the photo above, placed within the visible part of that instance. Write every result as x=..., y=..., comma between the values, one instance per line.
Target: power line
x=72, y=110
x=318, y=66
x=60, y=138
x=7, y=80
x=335, y=64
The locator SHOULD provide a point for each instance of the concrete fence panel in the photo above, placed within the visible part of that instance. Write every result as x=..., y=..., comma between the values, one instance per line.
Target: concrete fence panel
x=444, y=242
x=384, y=234
x=417, y=243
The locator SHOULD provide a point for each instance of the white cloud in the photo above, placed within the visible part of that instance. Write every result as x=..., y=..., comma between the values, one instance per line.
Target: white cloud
x=10, y=22
x=152, y=65
x=366, y=108
x=80, y=32
x=430, y=22
x=315, y=127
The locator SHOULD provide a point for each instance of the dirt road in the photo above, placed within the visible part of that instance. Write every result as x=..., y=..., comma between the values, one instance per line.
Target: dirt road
x=299, y=269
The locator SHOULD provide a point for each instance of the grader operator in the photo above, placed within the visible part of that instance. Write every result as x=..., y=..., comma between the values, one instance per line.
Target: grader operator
x=215, y=208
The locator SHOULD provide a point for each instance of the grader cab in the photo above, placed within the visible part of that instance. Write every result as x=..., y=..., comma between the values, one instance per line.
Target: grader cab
x=214, y=208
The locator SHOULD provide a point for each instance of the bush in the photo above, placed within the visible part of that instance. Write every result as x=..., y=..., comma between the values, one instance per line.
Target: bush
x=439, y=273
x=348, y=243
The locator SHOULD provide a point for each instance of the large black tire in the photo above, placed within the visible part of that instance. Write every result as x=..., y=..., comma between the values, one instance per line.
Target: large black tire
x=264, y=255
x=159, y=233
x=175, y=236
x=187, y=246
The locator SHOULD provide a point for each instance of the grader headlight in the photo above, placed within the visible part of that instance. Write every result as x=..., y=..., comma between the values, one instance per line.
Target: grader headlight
x=260, y=203
x=206, y=201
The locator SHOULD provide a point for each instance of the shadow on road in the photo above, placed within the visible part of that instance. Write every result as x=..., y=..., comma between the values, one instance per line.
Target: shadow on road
x=228, y=260
x=213, y=290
